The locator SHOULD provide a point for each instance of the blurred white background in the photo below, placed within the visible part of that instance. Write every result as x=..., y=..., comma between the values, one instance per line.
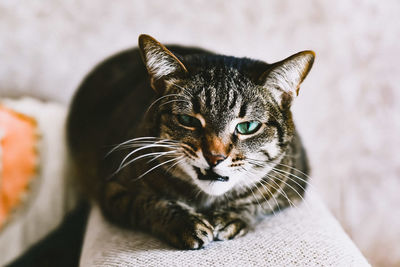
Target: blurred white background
x=348, y=110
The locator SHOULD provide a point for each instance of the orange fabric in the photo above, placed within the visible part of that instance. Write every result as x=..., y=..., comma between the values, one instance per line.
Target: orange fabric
x=18, y=159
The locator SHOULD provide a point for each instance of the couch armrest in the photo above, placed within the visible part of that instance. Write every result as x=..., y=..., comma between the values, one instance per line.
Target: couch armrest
x=307, y=235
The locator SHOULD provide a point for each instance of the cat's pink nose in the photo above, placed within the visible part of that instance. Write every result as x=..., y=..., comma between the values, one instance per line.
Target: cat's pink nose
x=214, y=160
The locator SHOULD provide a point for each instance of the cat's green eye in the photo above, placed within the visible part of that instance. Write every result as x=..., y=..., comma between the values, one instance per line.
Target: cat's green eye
x=248, y=127
x=188, y=121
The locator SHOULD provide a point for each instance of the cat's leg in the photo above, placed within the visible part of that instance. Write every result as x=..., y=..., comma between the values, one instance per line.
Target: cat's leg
x=175, y=222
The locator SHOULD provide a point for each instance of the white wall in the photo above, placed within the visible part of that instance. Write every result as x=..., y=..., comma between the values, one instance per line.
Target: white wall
x=348, y=110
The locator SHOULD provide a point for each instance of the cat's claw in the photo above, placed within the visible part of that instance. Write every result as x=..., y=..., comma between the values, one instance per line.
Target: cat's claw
x=195, y=233
x=201, y=236
x=227, y=227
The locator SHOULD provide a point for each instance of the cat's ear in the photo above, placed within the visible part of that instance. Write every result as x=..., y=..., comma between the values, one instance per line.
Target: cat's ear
x=159, y=61
x=283, y=79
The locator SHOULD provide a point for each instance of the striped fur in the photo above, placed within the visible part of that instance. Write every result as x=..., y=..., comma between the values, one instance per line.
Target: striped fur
x=188, y=184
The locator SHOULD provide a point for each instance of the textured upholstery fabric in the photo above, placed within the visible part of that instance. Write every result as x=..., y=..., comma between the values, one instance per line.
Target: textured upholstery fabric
x=304, y=236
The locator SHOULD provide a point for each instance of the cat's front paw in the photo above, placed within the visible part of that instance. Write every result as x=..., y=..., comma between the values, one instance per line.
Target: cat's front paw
x=228, y=226
x=192, y=232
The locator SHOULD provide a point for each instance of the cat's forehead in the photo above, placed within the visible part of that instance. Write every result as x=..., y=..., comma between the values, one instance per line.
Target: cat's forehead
x=218, y=84
x=218, y=77
x=220, y=96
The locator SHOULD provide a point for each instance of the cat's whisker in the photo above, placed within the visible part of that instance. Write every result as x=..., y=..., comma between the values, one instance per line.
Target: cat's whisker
x=116, y=147
x=295, y=176
x=183, y=89
x=265, y=186
x=151, y=141
x=159, y=99
x=155, y=155
x=142, y=148
x=138, y=140
x=228, y=196
x=303, y=189
x=280, y=191
x=287, y=175
x=256, y=160
x=285, y=182
x=251, y=175
x=282, y=172
x=189, y=153
x=125, y=164
x=291, y=187
x=199, y=191
x=295, y=169
x=175, y=164
x=156, y=141
x=163, y=154
x=175, y=100
x=188, y=147
x=157, y=166
x=256, y=163
x=268, y=191
x=271, y=196
x=144, y=144
x=251, y=190
x=284, y=165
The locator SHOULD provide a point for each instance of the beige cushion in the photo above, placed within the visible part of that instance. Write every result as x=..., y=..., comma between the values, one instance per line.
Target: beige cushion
x=307, y=235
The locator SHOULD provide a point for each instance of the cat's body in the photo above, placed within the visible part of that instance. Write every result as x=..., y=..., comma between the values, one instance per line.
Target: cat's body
x=203, y=144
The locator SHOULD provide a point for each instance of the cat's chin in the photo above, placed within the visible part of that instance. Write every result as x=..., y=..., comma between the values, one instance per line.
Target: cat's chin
x=211, y=182
x=215, y=188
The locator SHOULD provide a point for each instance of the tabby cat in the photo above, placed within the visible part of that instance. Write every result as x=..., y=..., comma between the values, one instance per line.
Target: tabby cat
x=186, y=144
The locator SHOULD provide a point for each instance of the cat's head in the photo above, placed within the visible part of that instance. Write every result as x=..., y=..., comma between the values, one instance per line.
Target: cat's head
x=230, y=116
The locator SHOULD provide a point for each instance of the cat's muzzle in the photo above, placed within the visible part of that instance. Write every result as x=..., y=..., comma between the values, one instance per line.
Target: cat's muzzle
x=210, y=175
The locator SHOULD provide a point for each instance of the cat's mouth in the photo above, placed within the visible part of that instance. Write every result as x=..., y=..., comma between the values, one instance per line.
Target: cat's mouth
x=209, y=175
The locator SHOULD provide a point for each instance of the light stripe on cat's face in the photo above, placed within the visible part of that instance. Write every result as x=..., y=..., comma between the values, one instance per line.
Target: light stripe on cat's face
x=229, y=130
